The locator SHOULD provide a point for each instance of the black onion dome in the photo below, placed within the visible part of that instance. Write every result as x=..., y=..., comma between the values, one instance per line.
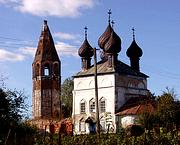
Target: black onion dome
x=113, y=45
x=85, y=50
x=134, y=50
x=105, y=36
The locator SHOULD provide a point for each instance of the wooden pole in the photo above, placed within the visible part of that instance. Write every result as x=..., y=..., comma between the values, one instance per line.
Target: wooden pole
x=96, y=97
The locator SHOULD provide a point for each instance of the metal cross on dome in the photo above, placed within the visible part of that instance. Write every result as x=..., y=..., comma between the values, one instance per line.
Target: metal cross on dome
x=133, y=33
x=85, y=28
x=109, y=13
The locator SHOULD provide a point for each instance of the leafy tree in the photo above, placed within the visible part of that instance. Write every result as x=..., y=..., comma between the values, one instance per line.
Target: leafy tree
x=167, y=108
x=13, y=109
x=12, y=106
x=67, y=96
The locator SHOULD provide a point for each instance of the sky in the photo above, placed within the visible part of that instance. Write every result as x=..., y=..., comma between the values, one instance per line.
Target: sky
x=157, y=30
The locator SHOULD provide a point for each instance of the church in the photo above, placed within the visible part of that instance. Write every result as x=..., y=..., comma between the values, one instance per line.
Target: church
x=117, y=83
x=122, y=89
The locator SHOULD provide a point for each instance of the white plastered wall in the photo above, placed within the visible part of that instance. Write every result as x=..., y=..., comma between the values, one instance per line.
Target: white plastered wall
x=84, y=90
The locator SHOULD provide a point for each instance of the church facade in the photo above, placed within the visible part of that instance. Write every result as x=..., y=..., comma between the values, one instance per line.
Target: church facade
x=117, y=83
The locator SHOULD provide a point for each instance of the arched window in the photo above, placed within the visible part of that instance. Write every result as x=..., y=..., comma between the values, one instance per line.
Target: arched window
x=82, y=106
x=102, y=104
x=46, y=70
x=92, y=105
x=82, y=125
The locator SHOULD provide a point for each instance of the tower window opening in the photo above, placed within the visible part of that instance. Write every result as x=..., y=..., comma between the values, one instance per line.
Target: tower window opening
x=46, y=69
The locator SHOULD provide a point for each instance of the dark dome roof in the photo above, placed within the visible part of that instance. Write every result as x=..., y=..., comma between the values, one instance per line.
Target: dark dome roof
x=105, y=36
x=113, y=45
x=134, y=50
x=85, y=50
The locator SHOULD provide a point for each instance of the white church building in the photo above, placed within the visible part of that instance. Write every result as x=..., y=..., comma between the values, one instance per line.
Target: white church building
x=117, y=83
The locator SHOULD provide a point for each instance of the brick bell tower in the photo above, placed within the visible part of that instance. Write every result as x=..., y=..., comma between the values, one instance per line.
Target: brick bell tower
x=46, y=78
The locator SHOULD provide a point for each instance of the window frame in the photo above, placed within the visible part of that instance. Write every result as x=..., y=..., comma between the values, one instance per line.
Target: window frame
x=82, y=107
x=102, y=105
x=92, y=105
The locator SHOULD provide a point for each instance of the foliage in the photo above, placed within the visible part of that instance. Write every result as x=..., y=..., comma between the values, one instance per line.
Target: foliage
x=113, y=139
x=67, y=97
x=134, y=130
x=168, y=109
x=12, y=107
x=13, y=110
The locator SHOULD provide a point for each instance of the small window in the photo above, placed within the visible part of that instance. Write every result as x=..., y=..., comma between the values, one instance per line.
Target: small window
x=92, y=105
x=102, y=105
x=82, y=106
x=46, y=70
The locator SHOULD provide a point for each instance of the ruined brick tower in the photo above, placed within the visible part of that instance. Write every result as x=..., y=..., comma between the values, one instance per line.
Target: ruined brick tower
x=46, y=78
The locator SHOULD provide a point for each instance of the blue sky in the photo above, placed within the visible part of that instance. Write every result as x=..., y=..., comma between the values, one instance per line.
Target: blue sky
x=156, y=23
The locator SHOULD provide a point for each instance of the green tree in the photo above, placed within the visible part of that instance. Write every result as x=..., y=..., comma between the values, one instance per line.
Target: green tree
x=67, y=96
x=12, y=107
x=13, y=111
x=166, y=108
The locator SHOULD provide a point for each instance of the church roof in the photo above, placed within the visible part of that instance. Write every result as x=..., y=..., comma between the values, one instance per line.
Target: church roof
x=105, y=36
x=46, y=50
x=113, y=45
x=137, y=105
x=86, y=49
x=102, y=68
x=134, y=50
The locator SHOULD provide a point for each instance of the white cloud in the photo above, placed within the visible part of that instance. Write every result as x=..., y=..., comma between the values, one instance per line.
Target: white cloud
x=63, y=49
x=61, y=8
x=66, y=36
x=28, y=50
x=10, y=56
x=2, y=1
x=9, y=1
x=66, y=49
